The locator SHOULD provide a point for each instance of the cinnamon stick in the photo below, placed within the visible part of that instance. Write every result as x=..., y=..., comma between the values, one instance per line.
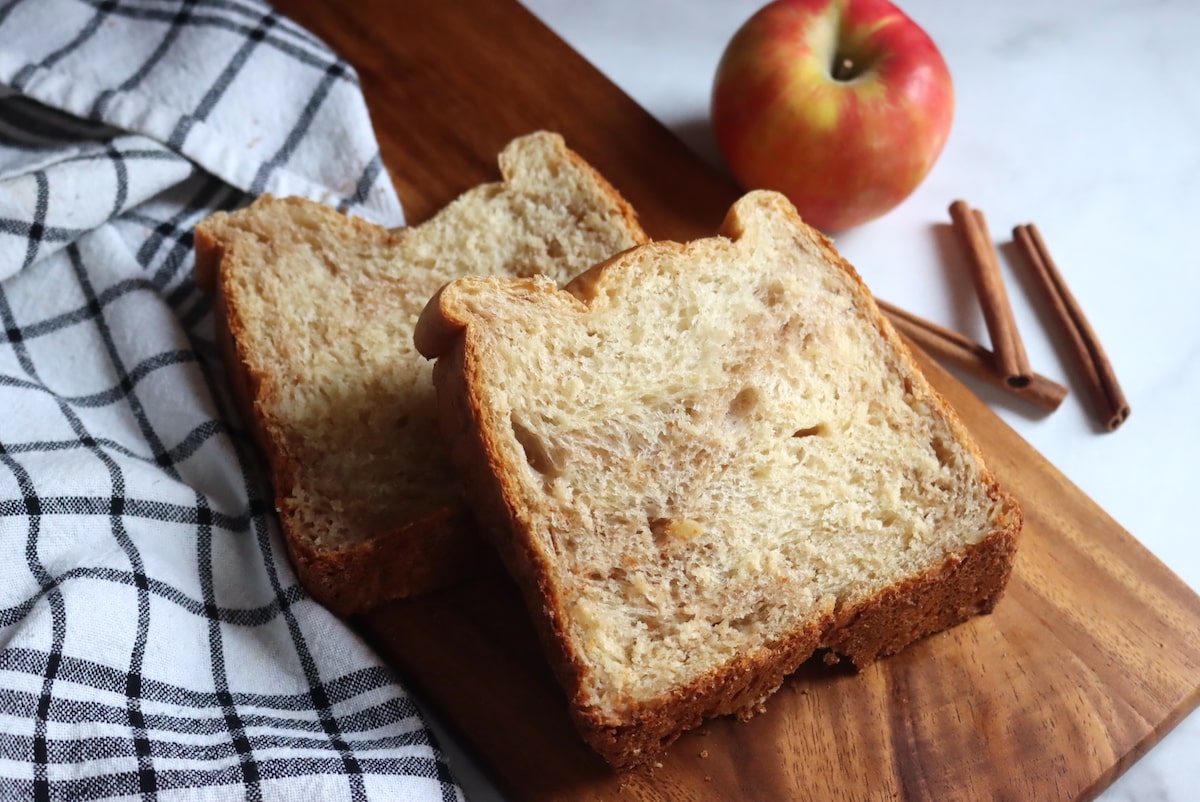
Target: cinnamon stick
x=1111, y=404
x=949, y=346
x=1011, y=360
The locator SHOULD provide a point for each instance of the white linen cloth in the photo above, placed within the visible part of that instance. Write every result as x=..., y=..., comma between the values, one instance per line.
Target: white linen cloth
x=154, y=642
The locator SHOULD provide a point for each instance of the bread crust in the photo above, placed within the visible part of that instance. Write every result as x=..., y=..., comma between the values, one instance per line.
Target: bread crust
x=968, y=582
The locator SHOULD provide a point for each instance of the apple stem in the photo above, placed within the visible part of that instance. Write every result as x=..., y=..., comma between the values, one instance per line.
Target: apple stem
x=844, y=69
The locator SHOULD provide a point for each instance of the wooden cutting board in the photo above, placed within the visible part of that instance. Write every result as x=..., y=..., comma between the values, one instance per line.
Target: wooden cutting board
x=1091, y=657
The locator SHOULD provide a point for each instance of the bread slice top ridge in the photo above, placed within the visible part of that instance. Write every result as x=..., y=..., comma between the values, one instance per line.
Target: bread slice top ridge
x=315, y=314
x=707, y=460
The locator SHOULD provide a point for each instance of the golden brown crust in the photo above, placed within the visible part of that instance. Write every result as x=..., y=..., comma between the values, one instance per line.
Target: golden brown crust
x=968, y=583
x=209, y=253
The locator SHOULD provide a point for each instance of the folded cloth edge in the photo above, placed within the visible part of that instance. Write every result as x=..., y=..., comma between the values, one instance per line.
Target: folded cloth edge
x=207, y=145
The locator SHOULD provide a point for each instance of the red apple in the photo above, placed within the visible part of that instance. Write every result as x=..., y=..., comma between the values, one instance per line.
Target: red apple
x=842, y=105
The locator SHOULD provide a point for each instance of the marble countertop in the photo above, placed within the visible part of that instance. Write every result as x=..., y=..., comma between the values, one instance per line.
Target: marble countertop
x=1082, y=116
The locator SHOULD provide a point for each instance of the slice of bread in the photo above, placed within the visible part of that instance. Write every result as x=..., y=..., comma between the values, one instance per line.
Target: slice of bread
x=315, y=314
x=707, y=461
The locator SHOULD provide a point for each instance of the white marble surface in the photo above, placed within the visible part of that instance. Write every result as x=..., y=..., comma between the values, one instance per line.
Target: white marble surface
x=1082, y=115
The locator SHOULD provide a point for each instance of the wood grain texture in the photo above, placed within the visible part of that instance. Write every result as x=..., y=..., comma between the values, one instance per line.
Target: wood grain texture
x=1091, y=657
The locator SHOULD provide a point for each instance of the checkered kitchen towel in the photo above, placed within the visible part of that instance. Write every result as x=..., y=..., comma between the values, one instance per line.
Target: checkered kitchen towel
x=154, y=643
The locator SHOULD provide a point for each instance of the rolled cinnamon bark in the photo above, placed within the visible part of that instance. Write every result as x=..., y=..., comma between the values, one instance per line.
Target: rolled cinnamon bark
x=1111, y=406
x=1010, y=357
